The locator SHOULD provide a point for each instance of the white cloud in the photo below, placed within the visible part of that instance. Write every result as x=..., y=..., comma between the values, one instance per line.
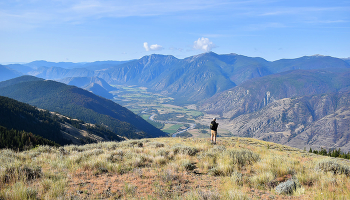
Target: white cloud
x=204, y=44
x=153, y=47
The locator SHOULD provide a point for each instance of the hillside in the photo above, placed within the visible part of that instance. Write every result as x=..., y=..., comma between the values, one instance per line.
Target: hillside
x=21, y=140
x=54, y=73
x=78, y=103
x=173, y=168
x=95, y=85
x=8, y=73
x=307, y=63
x=63, y=130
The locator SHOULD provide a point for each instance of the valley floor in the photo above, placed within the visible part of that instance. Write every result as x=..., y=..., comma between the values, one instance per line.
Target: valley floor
x=172, y=168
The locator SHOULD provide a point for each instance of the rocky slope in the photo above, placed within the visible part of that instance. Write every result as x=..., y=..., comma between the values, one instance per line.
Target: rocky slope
x=255, y=94
x=309, y=121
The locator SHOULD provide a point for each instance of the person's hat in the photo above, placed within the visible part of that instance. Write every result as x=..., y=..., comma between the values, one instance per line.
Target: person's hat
x=214, y=118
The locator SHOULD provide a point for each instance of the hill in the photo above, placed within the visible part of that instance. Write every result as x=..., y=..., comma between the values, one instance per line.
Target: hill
x=7, y=73
x=43, y=63
x=78, y=103
x=308, y=63
x=83, y=82
x=95, y=85
x=16, y=117
x=173, y=168
x=54, y=73
x=20, y=68
x=21, y=140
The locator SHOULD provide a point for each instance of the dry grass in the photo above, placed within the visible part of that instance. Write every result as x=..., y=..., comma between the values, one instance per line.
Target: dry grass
x=171, y=168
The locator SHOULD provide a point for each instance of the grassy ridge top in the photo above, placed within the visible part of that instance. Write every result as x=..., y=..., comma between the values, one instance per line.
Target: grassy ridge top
x=172, y=168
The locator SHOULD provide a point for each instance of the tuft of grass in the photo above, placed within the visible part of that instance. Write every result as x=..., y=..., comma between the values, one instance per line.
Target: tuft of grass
x=130, y=190
x=19, y=191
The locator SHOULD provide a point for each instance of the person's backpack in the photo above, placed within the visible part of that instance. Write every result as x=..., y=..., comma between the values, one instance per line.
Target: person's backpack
x=212, y=125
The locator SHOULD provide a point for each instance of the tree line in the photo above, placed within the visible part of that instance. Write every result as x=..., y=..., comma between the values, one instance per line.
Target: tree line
x=21, y=140
x=331, y=153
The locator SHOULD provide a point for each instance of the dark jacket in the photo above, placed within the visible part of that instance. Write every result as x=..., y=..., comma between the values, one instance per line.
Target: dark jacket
x=214, y=125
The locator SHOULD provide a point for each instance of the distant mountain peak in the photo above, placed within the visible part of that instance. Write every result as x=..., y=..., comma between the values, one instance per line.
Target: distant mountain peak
x=318, y=55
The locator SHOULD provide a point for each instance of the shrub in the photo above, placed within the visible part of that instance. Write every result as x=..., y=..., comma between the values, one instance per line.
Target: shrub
x=331, y=165
x=208, y=195
x=237, y=178
x=21, y=172
x=262, y=179
x=236, y=195
x=19, y=191
x=169, y=175
x=188, y=165
x=156, y=144
x=218, y=148
x=186, y=150
x=241, y=158
x=216, y=172
x=129, y=189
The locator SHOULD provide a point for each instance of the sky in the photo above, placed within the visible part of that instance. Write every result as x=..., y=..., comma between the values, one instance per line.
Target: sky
x=96, y=30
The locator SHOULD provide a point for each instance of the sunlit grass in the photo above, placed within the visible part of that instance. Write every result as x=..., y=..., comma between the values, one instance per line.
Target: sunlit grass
x=170, y=168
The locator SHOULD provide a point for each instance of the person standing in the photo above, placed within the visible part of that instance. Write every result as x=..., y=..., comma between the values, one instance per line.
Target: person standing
x=214, y=130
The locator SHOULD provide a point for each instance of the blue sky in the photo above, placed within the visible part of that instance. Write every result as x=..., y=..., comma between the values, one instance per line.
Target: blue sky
x=91, y=30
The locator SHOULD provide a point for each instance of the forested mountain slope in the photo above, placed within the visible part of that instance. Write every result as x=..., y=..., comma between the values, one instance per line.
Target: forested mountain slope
x=80, y=104
x=52, y=126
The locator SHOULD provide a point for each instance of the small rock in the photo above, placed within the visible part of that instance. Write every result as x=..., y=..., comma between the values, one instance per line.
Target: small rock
x=286, y=187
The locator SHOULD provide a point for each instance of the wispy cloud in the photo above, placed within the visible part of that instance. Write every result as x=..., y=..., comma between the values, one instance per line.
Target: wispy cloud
x=32, y=13
x=263, y=26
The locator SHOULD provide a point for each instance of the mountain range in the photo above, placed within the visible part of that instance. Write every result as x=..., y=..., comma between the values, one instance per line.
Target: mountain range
x=188, y=80
x=290, y=101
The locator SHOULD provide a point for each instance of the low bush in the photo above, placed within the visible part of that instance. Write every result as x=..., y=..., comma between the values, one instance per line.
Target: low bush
x=332, y=165
x=186, y=150
x=242, y=157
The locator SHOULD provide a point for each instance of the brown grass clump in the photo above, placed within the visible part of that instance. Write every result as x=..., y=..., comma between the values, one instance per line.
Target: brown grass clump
x=172, y=168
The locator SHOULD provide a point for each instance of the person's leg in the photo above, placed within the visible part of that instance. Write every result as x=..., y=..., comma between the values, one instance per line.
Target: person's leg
x=212, y=135
x=215, y=133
